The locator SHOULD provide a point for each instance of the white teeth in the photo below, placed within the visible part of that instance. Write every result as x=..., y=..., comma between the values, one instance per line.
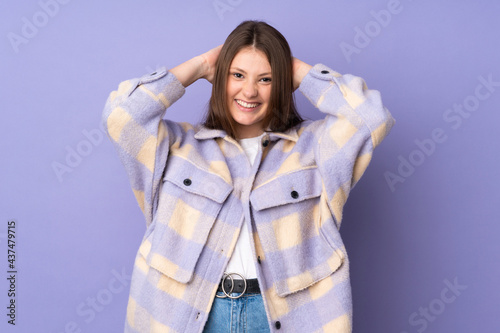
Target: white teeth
x=247, y=105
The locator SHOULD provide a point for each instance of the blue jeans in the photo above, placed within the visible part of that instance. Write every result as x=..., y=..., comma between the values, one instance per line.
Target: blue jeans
x=242, y=315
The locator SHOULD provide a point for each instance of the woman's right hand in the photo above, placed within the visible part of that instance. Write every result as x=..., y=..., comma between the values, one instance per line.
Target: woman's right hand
x=209, y=59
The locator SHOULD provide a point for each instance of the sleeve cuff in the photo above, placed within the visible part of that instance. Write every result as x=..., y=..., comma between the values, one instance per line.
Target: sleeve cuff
x=317, y=80
x=162, y=81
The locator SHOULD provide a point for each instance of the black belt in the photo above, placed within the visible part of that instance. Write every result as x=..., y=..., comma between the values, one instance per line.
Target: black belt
x=238, y=286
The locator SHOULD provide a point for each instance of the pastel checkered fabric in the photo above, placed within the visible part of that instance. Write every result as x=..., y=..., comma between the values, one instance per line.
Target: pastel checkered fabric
x=195, y=187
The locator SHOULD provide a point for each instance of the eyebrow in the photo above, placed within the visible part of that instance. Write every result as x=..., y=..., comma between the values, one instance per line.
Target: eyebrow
x=241, y=70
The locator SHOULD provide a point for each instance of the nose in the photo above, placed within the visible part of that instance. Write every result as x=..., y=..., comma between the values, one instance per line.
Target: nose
x=250, y=90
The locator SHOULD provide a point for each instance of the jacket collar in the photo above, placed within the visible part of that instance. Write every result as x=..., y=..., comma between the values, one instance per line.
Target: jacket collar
x=204, y=133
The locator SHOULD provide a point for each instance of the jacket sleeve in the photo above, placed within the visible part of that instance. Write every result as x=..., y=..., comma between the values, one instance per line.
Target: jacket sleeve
x=356, y=122
x=133, y=121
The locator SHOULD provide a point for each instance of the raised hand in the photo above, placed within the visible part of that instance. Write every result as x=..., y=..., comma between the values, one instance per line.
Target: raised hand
x=300, y=69
x=209, y=59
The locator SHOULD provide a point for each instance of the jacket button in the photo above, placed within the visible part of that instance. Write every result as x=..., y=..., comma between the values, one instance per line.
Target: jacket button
x=187, y=181
x=324, y=72
x=265, y=143
x=277, y=325
x=294, y=194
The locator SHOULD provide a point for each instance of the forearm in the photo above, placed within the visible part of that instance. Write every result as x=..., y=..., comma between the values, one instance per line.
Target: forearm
x=189, y=71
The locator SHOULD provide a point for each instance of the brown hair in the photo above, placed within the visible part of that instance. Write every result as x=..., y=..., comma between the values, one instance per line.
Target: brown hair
x=282, y=113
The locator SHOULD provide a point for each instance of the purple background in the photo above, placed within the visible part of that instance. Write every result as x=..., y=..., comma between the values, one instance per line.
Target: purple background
x=76, y=232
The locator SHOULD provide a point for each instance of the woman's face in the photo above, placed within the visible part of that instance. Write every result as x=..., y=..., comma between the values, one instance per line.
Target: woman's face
x=248, y=91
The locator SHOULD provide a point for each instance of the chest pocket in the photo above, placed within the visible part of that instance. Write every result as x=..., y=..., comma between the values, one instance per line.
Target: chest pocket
x=189, y=203
x=290, y=212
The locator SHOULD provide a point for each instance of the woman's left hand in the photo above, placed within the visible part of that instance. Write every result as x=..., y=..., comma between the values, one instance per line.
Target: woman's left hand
x=300, y=70
x=208, y=63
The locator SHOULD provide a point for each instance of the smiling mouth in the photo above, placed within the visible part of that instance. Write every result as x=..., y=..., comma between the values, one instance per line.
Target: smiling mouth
x=247, y=105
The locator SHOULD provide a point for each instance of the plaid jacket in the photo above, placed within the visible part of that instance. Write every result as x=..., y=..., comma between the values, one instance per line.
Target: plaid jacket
x=195, y=187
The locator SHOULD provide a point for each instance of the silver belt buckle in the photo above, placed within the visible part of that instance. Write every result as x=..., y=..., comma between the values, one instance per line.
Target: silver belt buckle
x=227, y=294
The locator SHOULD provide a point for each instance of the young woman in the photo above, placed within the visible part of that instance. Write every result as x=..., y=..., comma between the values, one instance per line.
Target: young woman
x=243, y=211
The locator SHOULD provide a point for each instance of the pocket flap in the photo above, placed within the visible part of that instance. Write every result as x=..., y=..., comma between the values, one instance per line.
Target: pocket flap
x=195, y=180
x=288, y=188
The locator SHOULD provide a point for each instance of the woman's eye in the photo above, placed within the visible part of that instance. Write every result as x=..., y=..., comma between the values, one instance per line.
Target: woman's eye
x=266, y=79
x=237, y=75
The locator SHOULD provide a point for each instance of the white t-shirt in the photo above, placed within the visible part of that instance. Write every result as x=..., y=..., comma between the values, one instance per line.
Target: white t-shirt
x=242, y=261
